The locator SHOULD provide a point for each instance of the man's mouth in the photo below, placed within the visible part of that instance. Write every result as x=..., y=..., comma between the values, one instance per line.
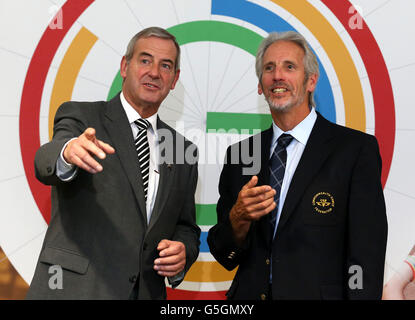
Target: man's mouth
x=151, y=85
x=279, y=90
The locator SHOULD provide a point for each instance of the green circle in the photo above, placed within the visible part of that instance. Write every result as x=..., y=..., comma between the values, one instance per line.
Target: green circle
x=215, y=31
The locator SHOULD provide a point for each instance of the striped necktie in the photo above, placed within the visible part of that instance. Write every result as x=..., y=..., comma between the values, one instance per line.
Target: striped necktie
x=143, y=151
x=277, y=170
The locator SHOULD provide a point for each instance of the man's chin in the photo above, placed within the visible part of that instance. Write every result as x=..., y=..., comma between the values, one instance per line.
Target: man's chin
x=280, y=108
x=151, y=101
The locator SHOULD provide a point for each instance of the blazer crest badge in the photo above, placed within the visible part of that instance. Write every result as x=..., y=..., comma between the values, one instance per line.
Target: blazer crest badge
x=323, y=202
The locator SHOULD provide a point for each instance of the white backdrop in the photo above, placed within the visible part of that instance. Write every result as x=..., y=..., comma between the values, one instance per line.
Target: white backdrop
x=216, y=77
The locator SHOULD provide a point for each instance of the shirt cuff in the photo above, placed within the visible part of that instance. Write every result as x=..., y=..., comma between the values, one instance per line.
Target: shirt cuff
x=65, y=171
x=174, y=281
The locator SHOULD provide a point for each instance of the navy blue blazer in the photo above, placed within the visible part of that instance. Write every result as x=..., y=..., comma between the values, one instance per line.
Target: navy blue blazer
x=333, y=221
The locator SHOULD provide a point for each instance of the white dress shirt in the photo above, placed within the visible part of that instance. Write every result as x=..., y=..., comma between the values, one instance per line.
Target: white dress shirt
x=301, y=133
x=67, y=172
x=154, y=175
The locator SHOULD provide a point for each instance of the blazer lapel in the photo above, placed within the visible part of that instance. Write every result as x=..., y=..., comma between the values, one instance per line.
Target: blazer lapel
x=119, y=130
x=165, y=185
x=315, y=153
x=266, y=140
x=264, y=224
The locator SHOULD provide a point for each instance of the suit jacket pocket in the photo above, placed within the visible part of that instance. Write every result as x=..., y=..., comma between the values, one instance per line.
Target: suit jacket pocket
x=332, y=292
x=322, y=208
x=68, y=260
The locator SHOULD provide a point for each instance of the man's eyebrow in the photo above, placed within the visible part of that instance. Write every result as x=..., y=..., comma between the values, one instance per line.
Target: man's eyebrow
x=145, y=54
x=151, y=56
x=290, y=62
x=284, y=62
x=168, y=60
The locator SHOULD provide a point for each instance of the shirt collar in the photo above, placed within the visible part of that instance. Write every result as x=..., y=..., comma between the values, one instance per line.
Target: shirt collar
x=133, y=115
x=301, y=132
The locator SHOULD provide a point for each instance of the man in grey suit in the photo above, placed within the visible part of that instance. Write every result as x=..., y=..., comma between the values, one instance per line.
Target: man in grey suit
x=123, y=209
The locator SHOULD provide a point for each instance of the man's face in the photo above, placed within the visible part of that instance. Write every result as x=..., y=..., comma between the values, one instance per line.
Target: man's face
x=150, y=74
x=283, y=77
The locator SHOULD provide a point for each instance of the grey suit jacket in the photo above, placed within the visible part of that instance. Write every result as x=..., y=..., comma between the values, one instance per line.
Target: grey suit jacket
x=98, y=233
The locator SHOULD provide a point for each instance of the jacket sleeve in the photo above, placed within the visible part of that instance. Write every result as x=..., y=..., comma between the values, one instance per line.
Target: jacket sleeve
x=367, y=225
x=187, y=230
x=68, y=124
x=220, y=238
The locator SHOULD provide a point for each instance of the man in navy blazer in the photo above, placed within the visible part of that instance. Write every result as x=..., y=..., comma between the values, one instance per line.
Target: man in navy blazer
x=310, y=223
x=111, y=237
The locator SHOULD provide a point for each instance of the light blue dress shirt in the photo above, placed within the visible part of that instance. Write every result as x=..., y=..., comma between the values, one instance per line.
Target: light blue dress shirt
x=301, y=132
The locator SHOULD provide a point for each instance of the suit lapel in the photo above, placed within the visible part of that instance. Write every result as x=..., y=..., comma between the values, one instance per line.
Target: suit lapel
x=165, y=185
x=315, y=153
x=263, y=179
x=266, y=140
x=119, y=130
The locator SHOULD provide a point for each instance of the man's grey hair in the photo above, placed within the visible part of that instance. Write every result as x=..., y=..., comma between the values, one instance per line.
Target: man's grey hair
x=310, y=59
x=153, y=32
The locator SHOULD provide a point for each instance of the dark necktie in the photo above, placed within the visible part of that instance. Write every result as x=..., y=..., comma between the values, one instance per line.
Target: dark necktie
x=143, y=152
x=277, y=169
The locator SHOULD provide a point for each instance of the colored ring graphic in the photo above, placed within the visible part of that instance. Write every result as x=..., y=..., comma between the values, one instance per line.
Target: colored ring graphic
x=243, y=10
x=244, y=39
x=379, y=81
x=324, y=32
x=32, y=96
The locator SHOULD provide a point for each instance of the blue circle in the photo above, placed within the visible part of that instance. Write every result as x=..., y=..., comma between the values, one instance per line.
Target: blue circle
x=269, y=22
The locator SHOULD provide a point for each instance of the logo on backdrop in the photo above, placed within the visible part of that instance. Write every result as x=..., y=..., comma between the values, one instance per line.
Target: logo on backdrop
x=227, y=34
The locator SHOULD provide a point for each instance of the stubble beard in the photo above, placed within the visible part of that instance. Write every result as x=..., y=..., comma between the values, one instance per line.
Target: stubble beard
x=295, y=100
x=275, y=106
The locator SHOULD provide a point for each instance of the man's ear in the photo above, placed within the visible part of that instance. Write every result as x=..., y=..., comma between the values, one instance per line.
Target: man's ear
x=312, y=82
x=260, y=90
x=123, y=67
x=176, y=77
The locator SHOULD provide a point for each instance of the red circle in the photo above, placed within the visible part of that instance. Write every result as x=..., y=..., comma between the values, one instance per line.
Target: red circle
x=32, y=96
x=379, y=81
x=51, y=39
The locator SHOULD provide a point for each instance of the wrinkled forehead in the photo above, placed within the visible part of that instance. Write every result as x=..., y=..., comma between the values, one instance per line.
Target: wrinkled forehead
x=284, y=51
x=156, y=44
x=160, y=48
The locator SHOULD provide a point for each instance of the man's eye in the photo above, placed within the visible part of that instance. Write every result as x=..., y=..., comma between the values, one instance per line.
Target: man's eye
x=291, y=67
x=269, y=68
x=166, y=66
x=145, y=61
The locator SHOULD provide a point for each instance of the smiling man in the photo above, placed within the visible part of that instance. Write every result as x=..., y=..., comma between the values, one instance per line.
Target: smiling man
x=311, y=224
x=123, y=218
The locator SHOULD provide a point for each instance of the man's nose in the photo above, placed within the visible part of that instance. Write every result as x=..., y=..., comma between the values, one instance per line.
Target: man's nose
x=154, y=71
x=278, y=74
